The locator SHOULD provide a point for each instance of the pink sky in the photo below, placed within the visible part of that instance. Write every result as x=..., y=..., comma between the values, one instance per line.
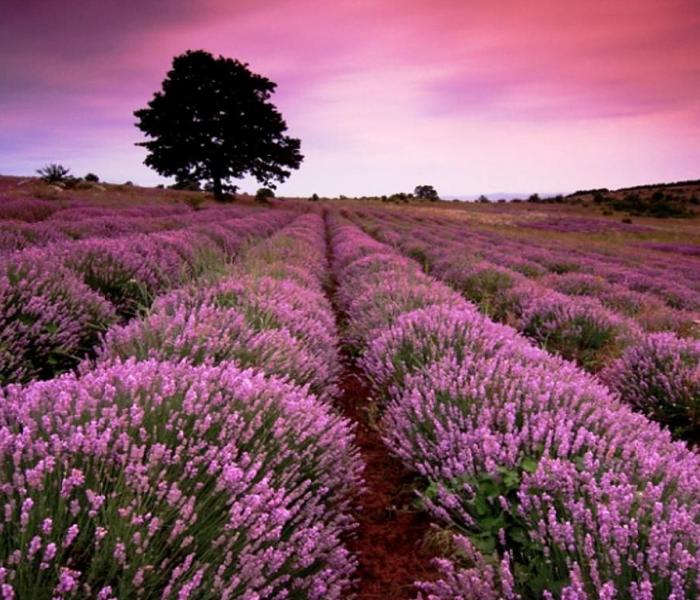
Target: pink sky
x=470, y=96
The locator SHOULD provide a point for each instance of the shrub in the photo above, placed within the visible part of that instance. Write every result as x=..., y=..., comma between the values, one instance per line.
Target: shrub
x=552, y=487
x=264, y=195
x=190, y=185
x=514, y=453
x=91, y=177
x=161, y=480
x=129, y=271
x=660, y=376
x=578, y=329
x=54, y=173
x=488, y=286
x=49, y=319
x=577, y=284
x=421, y=337
x=235, y=322
x=29, y=210
x=426, y=192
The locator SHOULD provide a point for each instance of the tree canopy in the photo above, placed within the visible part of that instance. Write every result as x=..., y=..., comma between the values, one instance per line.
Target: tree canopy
x=426, y=192
x=213, y=121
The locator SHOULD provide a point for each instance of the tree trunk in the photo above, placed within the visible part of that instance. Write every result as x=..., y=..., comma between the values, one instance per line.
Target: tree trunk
x=218, y=193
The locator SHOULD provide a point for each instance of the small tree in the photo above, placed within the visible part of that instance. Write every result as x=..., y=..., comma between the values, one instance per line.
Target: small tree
x=213, y=121
x=483, y=199
x=315, y=197
x=426, y=192
x=92, y=178
x=54, y=173
x=264, y=195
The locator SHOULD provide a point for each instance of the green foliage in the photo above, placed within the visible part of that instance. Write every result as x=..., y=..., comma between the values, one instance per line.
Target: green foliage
x=493, y=506
x=659, y=204
x=582, y=338
x=400, y=197
x=487, y=288
x=426, y=192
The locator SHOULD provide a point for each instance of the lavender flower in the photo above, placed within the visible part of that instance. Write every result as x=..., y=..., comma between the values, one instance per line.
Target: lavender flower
x=660, y=376
x=48, y=318
x=162, y=479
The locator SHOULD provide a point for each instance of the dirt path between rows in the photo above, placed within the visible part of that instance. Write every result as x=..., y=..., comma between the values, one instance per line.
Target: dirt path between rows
x=390, y=542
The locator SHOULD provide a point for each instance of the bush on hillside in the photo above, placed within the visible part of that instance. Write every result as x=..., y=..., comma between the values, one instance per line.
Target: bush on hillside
x=54, y=173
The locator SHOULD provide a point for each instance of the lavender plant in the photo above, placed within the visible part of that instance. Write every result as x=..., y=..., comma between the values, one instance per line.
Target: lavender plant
x=660, y=376
x=49, y=319
x=155, y=479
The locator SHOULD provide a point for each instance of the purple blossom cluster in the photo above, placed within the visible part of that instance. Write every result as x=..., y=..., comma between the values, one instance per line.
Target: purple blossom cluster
x=572, y=224
x=687, y=249
x=48, y=317
x=192, y=459
x=550, y=486
x=100, y=222
x=583, y=310
x=674, y=281
x=157, y=479
x=269, y=312
x=28, y=210
x=660, y=376
x=56, y=300
x=579, y=329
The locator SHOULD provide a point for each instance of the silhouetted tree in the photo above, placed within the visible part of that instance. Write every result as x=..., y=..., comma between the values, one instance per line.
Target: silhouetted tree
x=53, y=173
x=213, y=121
x=91, y=177
x=426, y=192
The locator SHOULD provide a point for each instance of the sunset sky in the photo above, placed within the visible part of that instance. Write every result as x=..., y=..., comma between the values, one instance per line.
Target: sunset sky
x=470, y=96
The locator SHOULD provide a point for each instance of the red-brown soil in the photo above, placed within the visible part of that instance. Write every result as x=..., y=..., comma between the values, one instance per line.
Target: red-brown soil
x=390, y=541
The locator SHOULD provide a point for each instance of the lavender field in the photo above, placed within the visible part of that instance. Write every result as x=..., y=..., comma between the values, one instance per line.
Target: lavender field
x=296, y=399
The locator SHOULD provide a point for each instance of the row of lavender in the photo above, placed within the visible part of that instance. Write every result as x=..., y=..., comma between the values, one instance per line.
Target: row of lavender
x=55, y=301
x=168, y=469
x=34, y=210
x=656, y=372
x=549, y=486
x=89, y=221
x=625, y=278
